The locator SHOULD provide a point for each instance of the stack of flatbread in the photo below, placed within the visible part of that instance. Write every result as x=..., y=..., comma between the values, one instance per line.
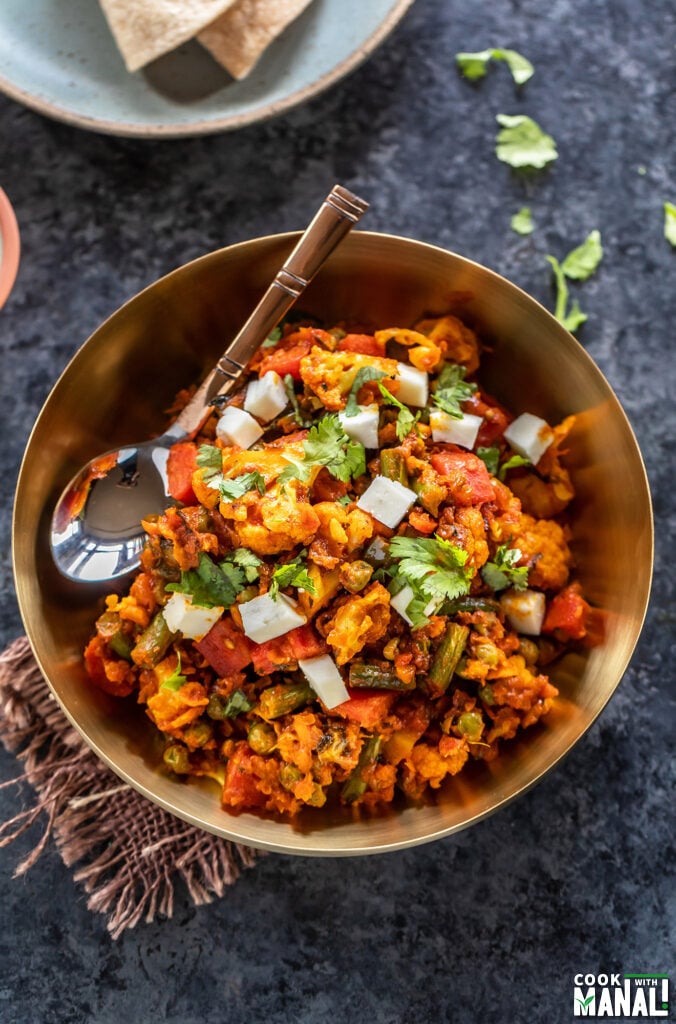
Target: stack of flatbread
x=236, y=32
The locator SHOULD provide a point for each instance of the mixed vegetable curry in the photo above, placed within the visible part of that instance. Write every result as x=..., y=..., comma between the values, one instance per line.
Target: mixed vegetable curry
x=363, y=579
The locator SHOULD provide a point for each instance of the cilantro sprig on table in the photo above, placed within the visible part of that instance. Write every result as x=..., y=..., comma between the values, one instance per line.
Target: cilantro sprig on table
x=522, y=221
x=212, y=584
x=210, y=459
x=475, y=65
x=452, y=389
x=504, y=572
x=434, y=568
x=523, y=144
x=578, y=265
x=327, y=445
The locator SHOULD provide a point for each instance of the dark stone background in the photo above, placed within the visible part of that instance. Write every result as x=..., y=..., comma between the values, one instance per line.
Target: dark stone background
x=489, y=925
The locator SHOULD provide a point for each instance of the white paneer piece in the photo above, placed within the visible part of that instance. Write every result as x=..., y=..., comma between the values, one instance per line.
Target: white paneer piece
x=388, y=501
x=463, y=431
x=191, y=620
x=237, y=427
x=402, y=600
x=530, y=436
x=266, y=397
x=413, y=385
x=525, y=610
x=323, y=676
x=265, y=618
x=364, y=426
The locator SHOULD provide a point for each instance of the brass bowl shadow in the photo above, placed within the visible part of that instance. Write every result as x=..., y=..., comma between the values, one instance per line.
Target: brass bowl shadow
x=115, y=390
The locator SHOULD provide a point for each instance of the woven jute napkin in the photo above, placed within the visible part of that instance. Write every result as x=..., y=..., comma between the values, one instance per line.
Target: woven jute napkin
x=128, y=853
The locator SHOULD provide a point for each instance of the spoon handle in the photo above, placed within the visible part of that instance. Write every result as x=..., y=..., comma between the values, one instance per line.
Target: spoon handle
x=339, y=212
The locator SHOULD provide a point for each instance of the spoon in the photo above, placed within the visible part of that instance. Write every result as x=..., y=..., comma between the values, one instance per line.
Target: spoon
x=96, y=533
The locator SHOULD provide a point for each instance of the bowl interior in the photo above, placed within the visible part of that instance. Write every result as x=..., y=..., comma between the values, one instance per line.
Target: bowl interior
x=123, y=378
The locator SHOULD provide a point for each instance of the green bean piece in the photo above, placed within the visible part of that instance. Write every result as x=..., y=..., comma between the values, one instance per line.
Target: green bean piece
x=471, y=726
x=446, y=659
x=355, y=786
x=283, y=698
x=153, y=643
x=176, y=758
x=377, y=552
x=393, y=465
x=261, y=737
x=120, y=645
x=372, y=677
x=355, y=575
x=471, y=604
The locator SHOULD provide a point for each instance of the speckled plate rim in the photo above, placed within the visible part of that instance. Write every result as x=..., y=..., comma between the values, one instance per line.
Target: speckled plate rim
x=10, y=246
x=218, y=124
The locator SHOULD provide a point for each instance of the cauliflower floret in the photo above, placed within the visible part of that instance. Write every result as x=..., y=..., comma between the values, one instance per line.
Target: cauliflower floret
x=543, y=544
x=330, y=375
x=359, y=620
x=457, y=342
x=277, y=521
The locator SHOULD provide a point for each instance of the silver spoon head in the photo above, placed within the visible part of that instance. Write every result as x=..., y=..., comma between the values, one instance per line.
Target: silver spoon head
x=96, y=532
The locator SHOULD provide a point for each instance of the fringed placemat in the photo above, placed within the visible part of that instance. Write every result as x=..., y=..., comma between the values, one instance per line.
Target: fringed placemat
x=129, y=851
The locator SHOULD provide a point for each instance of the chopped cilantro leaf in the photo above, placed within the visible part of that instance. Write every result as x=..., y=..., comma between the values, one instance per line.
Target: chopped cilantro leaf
x=364, y=375
x=175, y=681
x=247, y=561
x=236, y=704
x=583, y=261
x=272, y=338
x=522, y=222
x=512, y=463
x=210, y=585
x=433, y=567
x=503, y=571
x=490, y=457
x=475, y=65
x=670, y=223
x=327, y=445
x=405, y=418
x=229, y=490
x=452, y=389
x=292, y=574
x=209, y=458
x=521, y=143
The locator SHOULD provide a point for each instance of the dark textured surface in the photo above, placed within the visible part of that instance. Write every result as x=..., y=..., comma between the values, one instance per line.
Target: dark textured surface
x=491, y=924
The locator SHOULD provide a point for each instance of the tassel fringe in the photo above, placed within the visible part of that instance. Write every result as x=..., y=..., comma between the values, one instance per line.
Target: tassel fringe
x=131, y=852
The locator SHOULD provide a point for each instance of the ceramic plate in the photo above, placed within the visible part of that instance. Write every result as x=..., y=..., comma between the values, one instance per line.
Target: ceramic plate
x=61, y=60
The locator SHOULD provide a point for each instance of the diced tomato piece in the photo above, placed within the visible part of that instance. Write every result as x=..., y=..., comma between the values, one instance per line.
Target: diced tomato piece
x=271, y=655
x=466, y=475
x=181, y=465
x=305, y=643
x=366, y=344
x=567, y=613
x=495, y=419
x=367, y=709
x=240, y=786
x=284, y=361
x=226, y=648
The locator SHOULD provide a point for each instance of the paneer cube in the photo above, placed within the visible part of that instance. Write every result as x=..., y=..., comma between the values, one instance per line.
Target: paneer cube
x=402, y=600
x=323, y=676
x=461, y=431
x=265, y=617
x=191, y=620
x=524, y=610
x=386, y=500
x=530, y=436
x=413, y=385
x=236, y=427
x=364, y=426
x=266, y=397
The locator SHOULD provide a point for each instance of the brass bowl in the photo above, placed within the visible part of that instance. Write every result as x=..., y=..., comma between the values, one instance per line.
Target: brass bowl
x=115, y=390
